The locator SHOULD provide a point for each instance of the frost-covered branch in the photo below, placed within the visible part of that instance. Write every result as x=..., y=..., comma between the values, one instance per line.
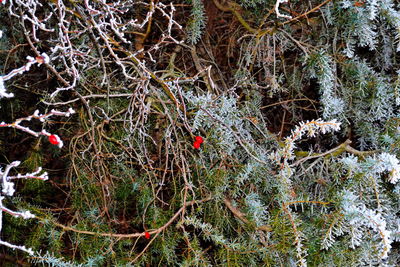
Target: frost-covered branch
x=7, y=186
x=44, y=58
x=53, y=138
x=278, y=14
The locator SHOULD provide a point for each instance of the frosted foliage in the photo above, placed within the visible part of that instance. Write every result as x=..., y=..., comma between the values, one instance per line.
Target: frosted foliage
x=322, y=69
x=389, y=163
x=209, y=231
x=397, y=89
x=8, y=189
x=363, y=22
x=257, y=211
x=347, y=3
x=328, y=13
x=370, y=100
x=309, y=129
x=197, y=23
x=396, y=234
x=393, y=18
x=253, y=3
x=351, y=162
x=249, y=169
x=336, y=229
x=360, y=220
x=220, y=114
x=396, y=190
x=366, y=215
x=284, y=155
x=50, y=260
x=349, y=50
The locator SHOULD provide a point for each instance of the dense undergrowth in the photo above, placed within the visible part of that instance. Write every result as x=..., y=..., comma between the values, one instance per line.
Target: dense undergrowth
x=297, y=104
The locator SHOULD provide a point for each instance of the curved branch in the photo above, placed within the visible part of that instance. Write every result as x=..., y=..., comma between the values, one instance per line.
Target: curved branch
x=241, y=216
x=344, y=147
x=152, y=232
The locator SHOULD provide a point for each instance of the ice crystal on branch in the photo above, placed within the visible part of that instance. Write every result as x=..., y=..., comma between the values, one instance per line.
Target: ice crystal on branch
x=308, y=128
x=321, y=66
x=7, y=184
x=360, y=219
x=197, y=22
x=41, y=117
x=44, y=58
x=368, y=22
x=8, y=189
x=278, y=13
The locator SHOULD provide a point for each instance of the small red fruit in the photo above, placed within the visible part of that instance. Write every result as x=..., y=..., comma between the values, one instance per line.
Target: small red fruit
x=196, y=145
x=39, y=59
x=53, y=139
x=146, y=235
x=359, y=3
x=199, y=139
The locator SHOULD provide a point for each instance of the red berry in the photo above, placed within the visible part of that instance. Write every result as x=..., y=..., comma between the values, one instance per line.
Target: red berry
x=196, y=145
x=53, y=139
x=199, y=139
x=146, y=235
x=39, y=59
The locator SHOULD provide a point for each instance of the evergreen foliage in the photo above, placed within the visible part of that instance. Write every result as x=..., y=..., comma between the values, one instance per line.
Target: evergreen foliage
x=297, y=104
x=197, y=22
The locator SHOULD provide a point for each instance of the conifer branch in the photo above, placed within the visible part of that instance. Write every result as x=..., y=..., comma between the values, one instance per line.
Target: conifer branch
x=151, y=232
x=241, y=216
